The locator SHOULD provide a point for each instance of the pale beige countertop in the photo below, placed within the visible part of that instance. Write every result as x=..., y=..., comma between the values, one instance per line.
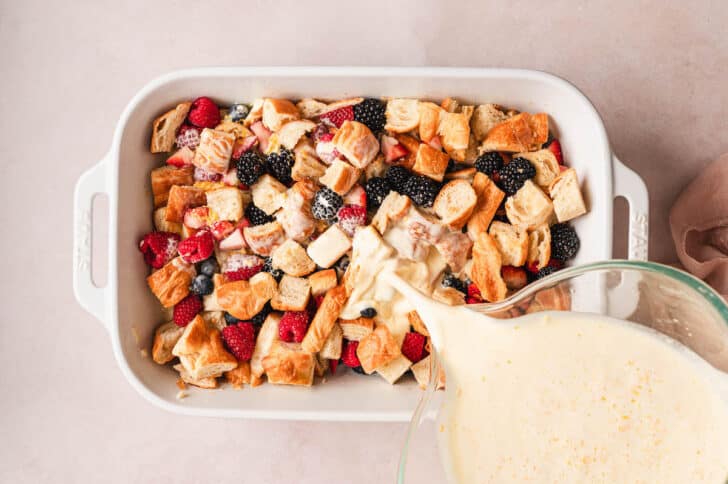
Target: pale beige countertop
x=656, y=72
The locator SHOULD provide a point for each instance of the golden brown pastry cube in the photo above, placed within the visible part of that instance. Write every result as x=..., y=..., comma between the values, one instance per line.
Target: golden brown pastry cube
x=180, y=199
x=171, y=283
x=164, y=178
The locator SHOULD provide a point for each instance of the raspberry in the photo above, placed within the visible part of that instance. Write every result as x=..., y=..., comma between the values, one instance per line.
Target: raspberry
x=204, y=113
x=293, y=325
x=319, y=299
x=350, y=217
x=348, y=354
x=159, y=248
x=197, y=248
x=243, y=274
x=188, y=136
x=240, y=340
x=413, y=347
x=474, y=296
x=338, y=116
x=186, y=310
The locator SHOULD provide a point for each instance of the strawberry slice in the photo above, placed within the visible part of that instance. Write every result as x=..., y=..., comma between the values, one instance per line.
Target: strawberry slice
x=182, y=157
x=234, y=241
x=555, y=148
x=244, y=144
x=338, y=116
x=436, y=143
x=392, y=149
x=263, y=134
x=356, y=196
x=196, y=218
x=222, y=229
x=231, y=179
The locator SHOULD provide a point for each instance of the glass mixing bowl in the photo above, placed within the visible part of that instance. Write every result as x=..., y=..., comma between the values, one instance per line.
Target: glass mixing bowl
x=663, y=298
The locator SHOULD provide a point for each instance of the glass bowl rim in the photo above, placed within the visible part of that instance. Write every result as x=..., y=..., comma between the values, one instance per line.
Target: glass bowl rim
x=708, y=293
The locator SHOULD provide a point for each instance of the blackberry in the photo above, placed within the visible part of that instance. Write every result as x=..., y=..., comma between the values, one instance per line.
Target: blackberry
x=230, y=319
x=280, y=164
x=489, y=162
x=256, y=216
x=545, y=271
x=564, y=242
x=251, y=165
x=209, y=267
x=368, y=312
x=514, y=175
x=371, y=112
x=422, y=190
x=326, y=203
x=239, y=112
x=377, y=189
x=397, y=176
x=259, y=318
x=451, y=281
x=201, y=285
x=268, y=267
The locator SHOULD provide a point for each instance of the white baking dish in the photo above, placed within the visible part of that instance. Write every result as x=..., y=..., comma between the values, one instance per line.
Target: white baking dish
x=126, y=306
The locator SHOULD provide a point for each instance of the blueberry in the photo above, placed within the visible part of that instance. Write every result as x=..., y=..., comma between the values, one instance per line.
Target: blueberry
x=451, y=281
x=230, y=319
x=239, y=111
x=202, y=285
x=368, y=312
x=209, y=267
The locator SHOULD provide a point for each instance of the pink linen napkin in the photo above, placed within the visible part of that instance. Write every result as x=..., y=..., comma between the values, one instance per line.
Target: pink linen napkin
x=699, y=225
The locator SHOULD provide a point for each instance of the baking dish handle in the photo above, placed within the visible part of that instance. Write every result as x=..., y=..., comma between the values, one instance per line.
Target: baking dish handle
x=629, y=185
x=91, y=297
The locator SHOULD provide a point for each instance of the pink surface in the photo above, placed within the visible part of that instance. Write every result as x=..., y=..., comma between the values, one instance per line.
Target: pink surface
x=655, y=73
